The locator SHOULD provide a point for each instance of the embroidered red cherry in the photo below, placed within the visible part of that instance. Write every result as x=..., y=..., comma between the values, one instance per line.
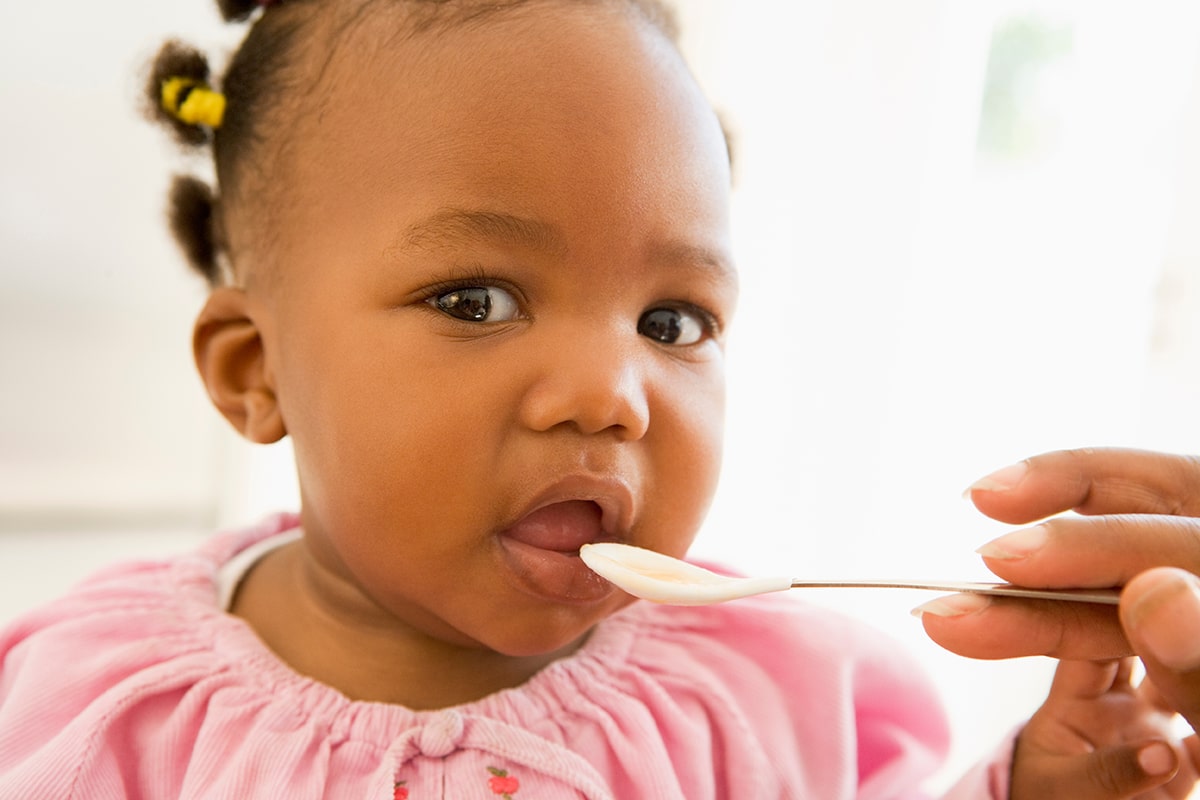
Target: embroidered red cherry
x=502, y=783
x=400, y=793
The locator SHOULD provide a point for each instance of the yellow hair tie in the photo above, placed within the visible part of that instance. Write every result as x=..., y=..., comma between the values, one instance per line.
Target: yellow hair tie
x=193, y=102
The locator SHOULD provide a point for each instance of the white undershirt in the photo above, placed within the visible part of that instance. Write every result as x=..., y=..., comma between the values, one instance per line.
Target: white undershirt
x=231, y=573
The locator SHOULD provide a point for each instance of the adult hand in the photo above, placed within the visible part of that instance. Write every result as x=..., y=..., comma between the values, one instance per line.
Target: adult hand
x=1139, y=529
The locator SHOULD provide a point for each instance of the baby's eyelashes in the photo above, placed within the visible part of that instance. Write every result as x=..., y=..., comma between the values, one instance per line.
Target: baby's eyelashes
x=671, y=323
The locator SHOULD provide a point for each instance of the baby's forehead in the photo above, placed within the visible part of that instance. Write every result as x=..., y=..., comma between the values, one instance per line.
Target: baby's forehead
x=505, y=63
x=471, y=93
x=399, y=47
x=410, y=21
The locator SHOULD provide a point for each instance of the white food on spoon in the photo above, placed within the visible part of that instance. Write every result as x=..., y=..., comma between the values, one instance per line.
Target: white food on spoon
x=662, y=579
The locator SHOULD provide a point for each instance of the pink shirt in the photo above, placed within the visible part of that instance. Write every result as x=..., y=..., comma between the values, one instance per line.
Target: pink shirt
x=138, y=685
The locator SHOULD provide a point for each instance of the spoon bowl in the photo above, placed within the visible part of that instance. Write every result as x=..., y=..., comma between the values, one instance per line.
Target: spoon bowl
x=662, y=579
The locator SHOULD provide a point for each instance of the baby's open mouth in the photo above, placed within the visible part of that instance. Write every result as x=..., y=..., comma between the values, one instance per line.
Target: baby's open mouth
x=563, y=527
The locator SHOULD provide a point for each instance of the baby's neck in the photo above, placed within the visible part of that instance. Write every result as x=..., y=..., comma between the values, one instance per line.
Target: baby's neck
x=368, y=662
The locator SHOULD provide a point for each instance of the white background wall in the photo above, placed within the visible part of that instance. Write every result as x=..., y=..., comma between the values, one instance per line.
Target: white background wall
x=915, y=311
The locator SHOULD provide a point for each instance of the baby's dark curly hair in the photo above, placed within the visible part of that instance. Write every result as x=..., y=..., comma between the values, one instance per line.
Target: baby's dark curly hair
x=262, y=84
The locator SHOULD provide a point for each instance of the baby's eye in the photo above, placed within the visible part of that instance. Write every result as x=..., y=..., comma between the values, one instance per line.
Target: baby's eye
x=477, y=304
x=673, y=326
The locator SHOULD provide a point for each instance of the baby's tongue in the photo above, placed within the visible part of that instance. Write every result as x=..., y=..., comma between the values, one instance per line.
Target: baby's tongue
x=564, y=527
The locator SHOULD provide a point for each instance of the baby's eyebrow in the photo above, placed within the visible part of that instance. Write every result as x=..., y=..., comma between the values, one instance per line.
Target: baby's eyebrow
x=456, y=226
x=713, y=261
x=449, y=227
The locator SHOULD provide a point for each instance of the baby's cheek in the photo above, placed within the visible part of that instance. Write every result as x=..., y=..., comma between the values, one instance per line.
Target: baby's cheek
x=691, y=463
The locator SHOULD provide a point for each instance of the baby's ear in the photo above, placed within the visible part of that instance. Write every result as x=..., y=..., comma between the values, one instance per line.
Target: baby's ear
x=228, y=347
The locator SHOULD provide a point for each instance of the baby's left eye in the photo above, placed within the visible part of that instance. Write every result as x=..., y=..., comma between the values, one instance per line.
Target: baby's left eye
x=477, y=304
x=673, y=326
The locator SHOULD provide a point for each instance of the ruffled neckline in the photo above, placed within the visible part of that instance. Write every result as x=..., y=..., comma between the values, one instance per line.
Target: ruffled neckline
x=248, y=659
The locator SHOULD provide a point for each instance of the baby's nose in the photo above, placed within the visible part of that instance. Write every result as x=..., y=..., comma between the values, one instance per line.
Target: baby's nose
x=594, y=384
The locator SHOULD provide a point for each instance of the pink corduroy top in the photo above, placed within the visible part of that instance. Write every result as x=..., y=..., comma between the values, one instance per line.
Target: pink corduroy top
x=137, y=684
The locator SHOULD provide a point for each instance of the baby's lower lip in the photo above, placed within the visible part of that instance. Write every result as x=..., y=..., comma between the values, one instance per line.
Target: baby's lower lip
x=542, y=551
x=552, y=575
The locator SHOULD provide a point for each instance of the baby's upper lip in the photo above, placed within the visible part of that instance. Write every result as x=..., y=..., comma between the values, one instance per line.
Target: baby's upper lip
x=613, y=496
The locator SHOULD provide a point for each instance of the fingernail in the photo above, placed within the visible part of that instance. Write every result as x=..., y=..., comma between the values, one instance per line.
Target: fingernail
x=1018, y=544
x=1002, y=480
x=954, y=605
x=1167, y=620
x=1156, y=759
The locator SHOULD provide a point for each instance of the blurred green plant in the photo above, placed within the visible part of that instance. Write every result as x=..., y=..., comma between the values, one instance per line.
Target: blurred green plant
x=1018, y=119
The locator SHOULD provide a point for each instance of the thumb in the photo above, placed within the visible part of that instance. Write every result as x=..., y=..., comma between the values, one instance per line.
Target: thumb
x=1109, y=773
x=1160, y=611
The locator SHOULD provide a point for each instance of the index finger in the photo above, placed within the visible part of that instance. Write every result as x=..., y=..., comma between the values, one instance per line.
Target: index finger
x=990, y=628
x=1091, y=481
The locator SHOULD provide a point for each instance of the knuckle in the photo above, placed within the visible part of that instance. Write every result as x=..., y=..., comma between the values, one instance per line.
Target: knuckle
x=1186, y=476
x=1188, y=468
x=1115, y=528
x=1071, y=631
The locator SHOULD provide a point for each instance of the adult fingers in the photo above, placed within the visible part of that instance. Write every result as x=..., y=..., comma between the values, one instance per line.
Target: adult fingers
x=1091, y=481
x=981, y=627
x=1094, y=552
x=1160, y=611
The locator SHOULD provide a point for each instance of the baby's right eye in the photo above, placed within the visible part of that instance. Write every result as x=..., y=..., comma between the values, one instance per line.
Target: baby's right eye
x=477, y=304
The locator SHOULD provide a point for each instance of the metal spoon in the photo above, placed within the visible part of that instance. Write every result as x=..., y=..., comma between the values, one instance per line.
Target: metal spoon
x=662, y=579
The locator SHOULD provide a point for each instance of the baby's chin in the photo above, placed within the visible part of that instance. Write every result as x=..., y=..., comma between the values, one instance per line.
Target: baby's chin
x=547, y=640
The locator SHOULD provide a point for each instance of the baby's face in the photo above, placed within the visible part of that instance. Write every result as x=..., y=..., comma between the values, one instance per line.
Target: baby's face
x=497, y=332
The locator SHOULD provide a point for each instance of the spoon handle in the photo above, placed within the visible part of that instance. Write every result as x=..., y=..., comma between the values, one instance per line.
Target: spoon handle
x=1103, y=596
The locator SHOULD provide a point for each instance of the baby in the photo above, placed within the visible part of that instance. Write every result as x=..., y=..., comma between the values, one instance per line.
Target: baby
x=474, y=259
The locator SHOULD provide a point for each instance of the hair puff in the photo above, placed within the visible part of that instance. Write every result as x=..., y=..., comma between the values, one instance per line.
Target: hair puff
x=176, y=60
x=237, y=10
x=191, y=214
